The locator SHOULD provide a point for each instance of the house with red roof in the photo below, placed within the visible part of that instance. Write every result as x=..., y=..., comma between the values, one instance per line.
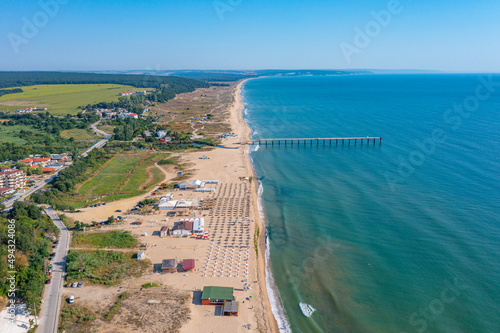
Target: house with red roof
x=43, y=161
x=27, y=161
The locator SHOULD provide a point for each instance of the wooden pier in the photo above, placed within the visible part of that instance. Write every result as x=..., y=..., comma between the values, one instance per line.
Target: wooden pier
x=315, y=141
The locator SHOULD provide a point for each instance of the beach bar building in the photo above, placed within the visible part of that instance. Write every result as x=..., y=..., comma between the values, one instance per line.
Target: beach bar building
x=216, y=295
x=169, y=266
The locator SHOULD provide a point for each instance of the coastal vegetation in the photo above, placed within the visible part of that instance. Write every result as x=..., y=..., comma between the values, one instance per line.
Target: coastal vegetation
x=76, y=318
x=111, y=239
x=169, y=312
x=103, y=267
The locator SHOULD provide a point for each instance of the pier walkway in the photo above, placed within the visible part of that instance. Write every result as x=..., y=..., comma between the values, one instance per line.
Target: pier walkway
x=316, y=141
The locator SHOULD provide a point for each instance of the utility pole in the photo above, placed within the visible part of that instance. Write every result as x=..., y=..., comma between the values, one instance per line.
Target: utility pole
x=34, y=307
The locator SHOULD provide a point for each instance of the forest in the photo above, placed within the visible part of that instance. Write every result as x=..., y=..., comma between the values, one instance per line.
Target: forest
x=173, y=83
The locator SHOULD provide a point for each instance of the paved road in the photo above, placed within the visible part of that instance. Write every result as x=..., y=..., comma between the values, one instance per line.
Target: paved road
x=49, y=316
x=9, y=202
x=100, y=143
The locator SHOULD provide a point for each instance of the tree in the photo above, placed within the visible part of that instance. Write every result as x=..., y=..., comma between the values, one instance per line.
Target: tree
x=39, y=170
x=111, y=219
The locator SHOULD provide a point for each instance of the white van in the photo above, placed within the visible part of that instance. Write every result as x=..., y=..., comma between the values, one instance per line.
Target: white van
x=71, y=299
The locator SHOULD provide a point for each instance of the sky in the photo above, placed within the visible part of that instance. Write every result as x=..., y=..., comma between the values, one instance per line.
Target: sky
x=88, y=35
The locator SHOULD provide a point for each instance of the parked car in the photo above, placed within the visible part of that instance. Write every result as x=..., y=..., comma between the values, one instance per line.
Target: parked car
x=118, y=211
x=104, y=204
x=48, y=281
x=80, y=284
x=71, y=299
x=74, y=285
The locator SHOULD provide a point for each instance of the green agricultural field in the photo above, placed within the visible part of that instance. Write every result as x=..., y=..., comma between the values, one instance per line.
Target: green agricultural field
x=61, y=99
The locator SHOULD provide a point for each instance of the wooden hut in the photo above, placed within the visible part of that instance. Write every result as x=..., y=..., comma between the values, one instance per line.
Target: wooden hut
x=231, y=308
x=169, y=266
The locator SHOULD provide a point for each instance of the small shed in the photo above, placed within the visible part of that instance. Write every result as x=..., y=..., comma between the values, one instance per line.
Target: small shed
x=216, y=295
x=188, y=264
x=141, y=255
x=163, y=231
x=183, y=185
x=231, y=308
x=169, y=266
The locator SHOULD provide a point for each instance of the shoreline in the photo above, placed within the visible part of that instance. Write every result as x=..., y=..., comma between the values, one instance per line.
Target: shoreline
x=226, y=165
x=263, y=264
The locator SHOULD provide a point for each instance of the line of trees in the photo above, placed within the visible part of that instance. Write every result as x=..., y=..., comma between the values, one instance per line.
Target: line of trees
x=33, y=235
x=10, y=91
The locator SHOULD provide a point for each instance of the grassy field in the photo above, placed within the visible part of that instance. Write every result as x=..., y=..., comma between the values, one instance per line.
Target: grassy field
x=112, y=239
x=80, y=134
x=9, y=133
x=62, y=99
x=104, y=267
x=125, y=175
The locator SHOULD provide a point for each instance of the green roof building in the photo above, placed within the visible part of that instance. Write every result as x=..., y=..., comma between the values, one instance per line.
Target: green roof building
x=216, y=295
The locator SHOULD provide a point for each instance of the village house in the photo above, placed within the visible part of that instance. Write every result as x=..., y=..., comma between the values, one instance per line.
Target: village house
x=27, y=161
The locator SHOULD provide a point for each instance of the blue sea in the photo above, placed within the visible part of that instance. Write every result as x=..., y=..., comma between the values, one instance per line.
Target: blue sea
x=402, y=236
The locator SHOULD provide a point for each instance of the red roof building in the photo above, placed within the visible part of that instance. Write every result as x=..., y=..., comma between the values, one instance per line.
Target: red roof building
x=188, y=264
x=27, y=161
x=43, y=161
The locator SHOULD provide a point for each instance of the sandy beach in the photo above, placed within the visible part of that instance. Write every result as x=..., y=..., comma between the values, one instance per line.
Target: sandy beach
x=228, y=258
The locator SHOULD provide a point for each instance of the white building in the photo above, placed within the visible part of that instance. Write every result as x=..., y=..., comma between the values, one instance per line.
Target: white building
x=168, y=205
